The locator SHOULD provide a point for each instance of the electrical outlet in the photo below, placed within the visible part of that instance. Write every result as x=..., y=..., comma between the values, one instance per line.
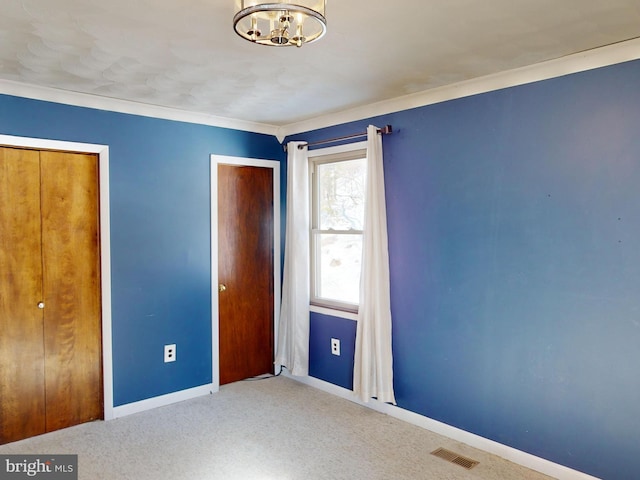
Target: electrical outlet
x=170, y=353
x=335, y=346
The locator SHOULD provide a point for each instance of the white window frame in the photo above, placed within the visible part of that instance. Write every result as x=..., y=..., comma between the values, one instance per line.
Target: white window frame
x=351, y=151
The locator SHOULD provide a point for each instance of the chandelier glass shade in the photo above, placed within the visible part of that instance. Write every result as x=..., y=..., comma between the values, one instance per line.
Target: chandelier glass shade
x=280, y=24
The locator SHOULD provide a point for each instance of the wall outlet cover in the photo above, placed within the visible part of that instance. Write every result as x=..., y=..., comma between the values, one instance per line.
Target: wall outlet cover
x=170, y=353
x=335, y=346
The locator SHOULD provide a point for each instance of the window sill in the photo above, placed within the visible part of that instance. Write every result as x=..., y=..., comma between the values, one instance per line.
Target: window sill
x=334, y=312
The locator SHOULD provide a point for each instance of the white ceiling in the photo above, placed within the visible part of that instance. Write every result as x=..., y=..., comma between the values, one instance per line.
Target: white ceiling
x=184, y=54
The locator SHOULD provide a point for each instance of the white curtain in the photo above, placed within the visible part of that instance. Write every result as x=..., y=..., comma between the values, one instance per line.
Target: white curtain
x=373, y=365
x=292, y=350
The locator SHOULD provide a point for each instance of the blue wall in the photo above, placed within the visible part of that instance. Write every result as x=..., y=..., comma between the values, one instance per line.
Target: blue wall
x=160, y=233
x=336, y=369
x=514, y=236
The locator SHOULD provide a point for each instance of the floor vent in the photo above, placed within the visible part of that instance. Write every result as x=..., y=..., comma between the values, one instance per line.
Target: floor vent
x=453, y=457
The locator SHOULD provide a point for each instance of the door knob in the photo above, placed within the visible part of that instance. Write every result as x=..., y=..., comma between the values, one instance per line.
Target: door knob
x=222, y=287
x=40, y=305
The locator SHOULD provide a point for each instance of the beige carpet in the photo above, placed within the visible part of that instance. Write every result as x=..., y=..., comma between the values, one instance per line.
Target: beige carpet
x=275, y=429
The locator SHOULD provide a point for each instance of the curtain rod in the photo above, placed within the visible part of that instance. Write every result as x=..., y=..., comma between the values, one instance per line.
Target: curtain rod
x=386, y=130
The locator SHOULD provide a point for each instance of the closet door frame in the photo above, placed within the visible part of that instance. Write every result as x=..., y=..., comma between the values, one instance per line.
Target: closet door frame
x=105, y=244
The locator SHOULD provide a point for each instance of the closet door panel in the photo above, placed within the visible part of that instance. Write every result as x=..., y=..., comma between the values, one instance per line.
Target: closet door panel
x=71, y=282
x=22, y=410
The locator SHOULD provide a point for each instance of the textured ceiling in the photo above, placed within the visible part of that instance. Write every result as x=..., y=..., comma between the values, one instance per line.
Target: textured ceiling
x=184, y=53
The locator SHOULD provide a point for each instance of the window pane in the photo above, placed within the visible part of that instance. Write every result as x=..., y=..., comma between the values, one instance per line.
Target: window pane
x=341, y=195
x=338, y=267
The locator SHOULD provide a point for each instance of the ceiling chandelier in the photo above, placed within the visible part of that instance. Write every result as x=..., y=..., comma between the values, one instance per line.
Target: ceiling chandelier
x=280, y=24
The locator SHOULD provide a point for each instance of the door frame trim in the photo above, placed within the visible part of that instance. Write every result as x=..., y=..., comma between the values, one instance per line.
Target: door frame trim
x=105, y=244
x=215, y=337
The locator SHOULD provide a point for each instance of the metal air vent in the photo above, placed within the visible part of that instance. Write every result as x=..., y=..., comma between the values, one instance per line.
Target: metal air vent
x=453, y=457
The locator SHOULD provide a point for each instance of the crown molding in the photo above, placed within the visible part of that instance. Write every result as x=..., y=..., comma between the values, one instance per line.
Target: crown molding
x=599, y=57
x=48, y=94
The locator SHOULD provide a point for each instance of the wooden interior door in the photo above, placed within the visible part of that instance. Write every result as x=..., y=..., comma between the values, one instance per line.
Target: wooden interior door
x=50, y=323
x=22, y=393
x=71, y=283
x=245, y=271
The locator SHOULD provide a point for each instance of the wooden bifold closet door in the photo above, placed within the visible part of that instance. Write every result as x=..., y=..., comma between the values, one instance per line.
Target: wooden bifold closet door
x=50, y=323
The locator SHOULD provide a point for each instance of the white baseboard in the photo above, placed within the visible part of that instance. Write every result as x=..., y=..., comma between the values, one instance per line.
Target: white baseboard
x=508, y=453
x=162, y=400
